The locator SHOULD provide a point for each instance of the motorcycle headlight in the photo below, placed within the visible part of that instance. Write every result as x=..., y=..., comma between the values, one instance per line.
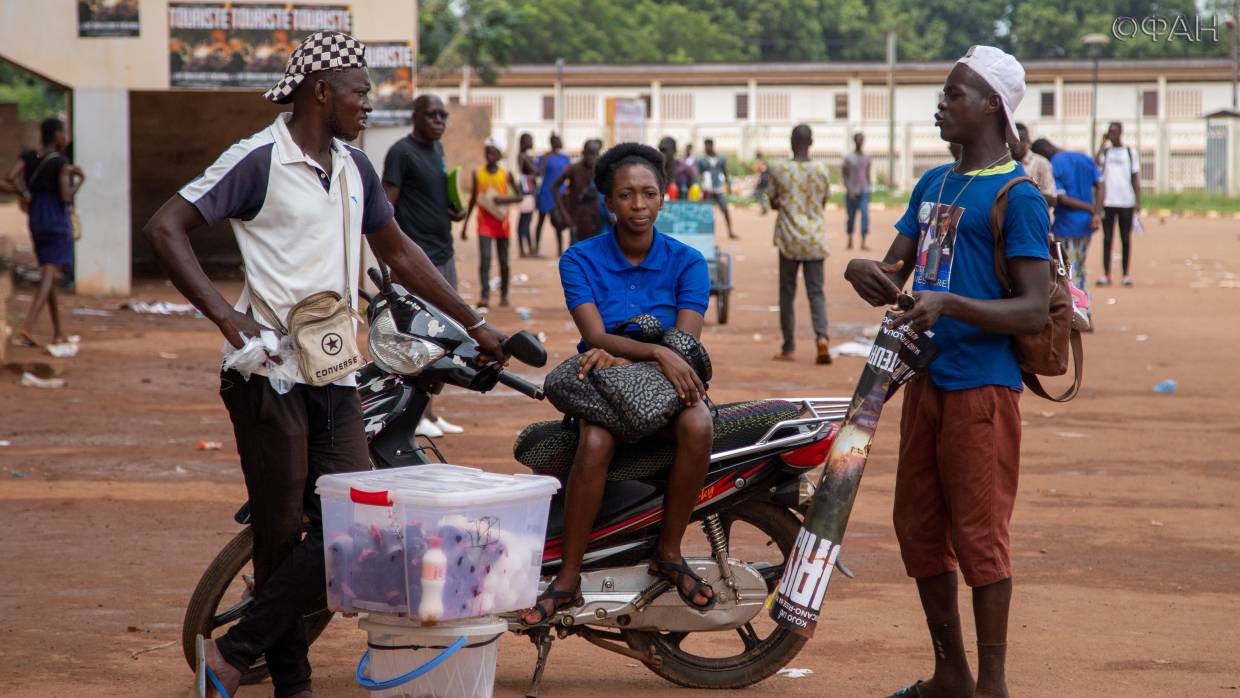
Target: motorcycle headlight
x=397, y=352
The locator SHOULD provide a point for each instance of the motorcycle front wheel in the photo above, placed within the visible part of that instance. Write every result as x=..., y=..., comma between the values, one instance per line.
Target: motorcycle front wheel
x=761, y=534
x=224, y=592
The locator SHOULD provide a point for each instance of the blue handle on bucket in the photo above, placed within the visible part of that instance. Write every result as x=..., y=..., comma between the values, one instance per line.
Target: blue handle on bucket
x=372, y=685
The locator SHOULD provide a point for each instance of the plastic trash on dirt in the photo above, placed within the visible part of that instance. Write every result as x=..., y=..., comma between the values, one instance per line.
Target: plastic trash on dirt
x=91, y=312
x=852, y=349
x=159, y=308
x=1166, y=387
x=32, y=381
x=65, y=350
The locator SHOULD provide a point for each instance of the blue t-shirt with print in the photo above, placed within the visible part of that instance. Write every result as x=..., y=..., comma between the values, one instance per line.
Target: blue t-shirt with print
x=1075, y=175
x=672, y=277
x=955, y=253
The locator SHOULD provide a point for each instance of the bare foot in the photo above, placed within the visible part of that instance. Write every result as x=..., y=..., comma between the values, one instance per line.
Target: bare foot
x=25, y=339
x=229, y=675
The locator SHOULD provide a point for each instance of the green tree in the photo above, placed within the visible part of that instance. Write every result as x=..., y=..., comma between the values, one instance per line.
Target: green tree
x=35, y=99
x=453, y=33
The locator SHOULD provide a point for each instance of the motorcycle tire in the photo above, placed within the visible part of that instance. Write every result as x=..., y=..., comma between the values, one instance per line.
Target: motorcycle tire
x=755, y=663
x=202, y=615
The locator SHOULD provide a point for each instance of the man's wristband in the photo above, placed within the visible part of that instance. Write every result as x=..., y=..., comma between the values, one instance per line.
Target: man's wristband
x=481, y=321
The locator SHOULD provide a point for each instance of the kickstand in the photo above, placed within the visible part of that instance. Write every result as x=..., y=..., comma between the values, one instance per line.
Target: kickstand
x=542, y=638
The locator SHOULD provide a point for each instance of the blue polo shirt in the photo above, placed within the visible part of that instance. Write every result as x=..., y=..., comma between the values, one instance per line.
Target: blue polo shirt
x=672, y=277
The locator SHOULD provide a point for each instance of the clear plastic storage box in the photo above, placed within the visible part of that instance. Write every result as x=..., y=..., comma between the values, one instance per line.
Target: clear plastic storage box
x=471, y=540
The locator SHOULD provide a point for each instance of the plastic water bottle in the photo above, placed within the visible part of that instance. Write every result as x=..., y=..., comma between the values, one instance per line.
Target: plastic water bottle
x=1166, y=387
x=434, y=572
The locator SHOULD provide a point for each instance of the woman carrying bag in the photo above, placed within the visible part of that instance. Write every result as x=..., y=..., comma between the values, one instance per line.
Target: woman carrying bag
x=630, y=270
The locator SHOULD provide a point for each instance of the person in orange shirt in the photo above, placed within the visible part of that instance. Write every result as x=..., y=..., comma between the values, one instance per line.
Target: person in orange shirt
x=494, y=190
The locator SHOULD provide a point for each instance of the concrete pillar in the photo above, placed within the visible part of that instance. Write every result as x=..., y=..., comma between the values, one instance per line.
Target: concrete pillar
x=656, y=109
x=463, y=90
x=906, y=178
x=1060, y=133
x=101, y=148
x=749, y=129
x=1162, y=154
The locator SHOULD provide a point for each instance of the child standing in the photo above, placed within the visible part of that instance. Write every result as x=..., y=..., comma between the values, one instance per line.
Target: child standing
x=494, y=190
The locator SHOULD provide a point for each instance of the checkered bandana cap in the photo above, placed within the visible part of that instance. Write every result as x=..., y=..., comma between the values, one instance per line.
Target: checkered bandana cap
x=320, y=51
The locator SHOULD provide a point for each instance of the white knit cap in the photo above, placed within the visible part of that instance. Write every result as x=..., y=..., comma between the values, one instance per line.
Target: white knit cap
x=493, y=142
x=1004, y=74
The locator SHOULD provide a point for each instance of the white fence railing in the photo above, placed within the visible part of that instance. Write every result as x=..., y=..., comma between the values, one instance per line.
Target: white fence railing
x=1172, y=153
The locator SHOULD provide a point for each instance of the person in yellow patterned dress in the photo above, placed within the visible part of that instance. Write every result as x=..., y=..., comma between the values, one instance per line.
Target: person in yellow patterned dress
x=799, y=191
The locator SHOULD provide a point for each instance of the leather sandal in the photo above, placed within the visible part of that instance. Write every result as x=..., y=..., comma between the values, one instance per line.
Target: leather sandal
x=560, y=600
x=683, y=570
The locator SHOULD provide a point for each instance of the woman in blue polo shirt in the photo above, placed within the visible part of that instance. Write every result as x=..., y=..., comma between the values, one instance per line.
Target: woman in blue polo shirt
x=628, y=270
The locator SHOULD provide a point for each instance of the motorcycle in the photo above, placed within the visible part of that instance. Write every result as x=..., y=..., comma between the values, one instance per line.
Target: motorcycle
x=749, y=510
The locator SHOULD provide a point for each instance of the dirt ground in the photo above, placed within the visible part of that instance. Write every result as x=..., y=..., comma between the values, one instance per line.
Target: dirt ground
x=1125, y=533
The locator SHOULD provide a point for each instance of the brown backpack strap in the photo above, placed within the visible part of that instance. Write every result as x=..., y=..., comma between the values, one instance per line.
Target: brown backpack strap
x=998, y=213
x=1078, y=371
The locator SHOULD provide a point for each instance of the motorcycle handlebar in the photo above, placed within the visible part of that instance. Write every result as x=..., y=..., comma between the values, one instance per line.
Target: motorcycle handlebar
x=521, y=385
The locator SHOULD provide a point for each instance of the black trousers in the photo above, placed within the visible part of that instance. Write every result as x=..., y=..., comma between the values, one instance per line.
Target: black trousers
x=525, y=243
x=1110, y=215
x=286, y=442
x=484, y=265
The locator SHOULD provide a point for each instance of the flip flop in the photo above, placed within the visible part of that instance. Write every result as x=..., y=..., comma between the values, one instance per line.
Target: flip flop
x=911, y=691
x=203, y=673
x=25, y=339
x=683, y=570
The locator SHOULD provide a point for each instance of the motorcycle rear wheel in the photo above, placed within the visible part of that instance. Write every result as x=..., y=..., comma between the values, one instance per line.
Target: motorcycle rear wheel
x=761, y=657
x=225, y=574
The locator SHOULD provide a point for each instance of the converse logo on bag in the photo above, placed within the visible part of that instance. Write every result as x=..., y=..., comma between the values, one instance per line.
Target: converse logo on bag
x=332, y=343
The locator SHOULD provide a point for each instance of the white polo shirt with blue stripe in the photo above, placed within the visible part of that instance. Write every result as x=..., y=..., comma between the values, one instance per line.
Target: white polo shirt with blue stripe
x=288, y=216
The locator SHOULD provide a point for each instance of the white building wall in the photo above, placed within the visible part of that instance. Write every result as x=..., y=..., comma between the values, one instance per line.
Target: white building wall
x=41, y=35
x=1172, y=147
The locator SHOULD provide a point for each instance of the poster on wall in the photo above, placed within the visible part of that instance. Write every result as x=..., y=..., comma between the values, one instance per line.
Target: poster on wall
x=233, y=44
x=391, y=74
x=108, y=18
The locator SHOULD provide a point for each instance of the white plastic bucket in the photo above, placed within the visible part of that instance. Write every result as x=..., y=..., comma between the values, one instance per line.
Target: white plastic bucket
x=448, y=660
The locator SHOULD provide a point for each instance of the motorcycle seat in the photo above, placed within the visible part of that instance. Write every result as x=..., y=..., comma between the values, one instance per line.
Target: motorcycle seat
x=548, y=447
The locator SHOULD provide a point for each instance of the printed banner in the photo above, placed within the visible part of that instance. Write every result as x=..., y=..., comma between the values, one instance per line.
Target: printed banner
x=242, y=44
x=108, y=18
x=898, y=355
x=390, y=64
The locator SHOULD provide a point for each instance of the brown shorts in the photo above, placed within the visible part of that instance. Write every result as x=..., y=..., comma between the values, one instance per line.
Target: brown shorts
x=956, y=480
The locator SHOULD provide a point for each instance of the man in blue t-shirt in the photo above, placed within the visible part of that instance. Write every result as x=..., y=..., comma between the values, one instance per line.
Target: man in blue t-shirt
x=1081, y=190
x=960, y=427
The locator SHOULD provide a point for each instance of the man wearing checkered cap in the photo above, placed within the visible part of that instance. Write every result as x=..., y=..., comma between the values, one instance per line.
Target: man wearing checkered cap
x=299, y=201
x=960, y=425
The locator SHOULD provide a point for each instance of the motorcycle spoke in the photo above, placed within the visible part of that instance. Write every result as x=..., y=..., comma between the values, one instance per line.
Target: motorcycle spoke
x=749, y=636
x=232, y=614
